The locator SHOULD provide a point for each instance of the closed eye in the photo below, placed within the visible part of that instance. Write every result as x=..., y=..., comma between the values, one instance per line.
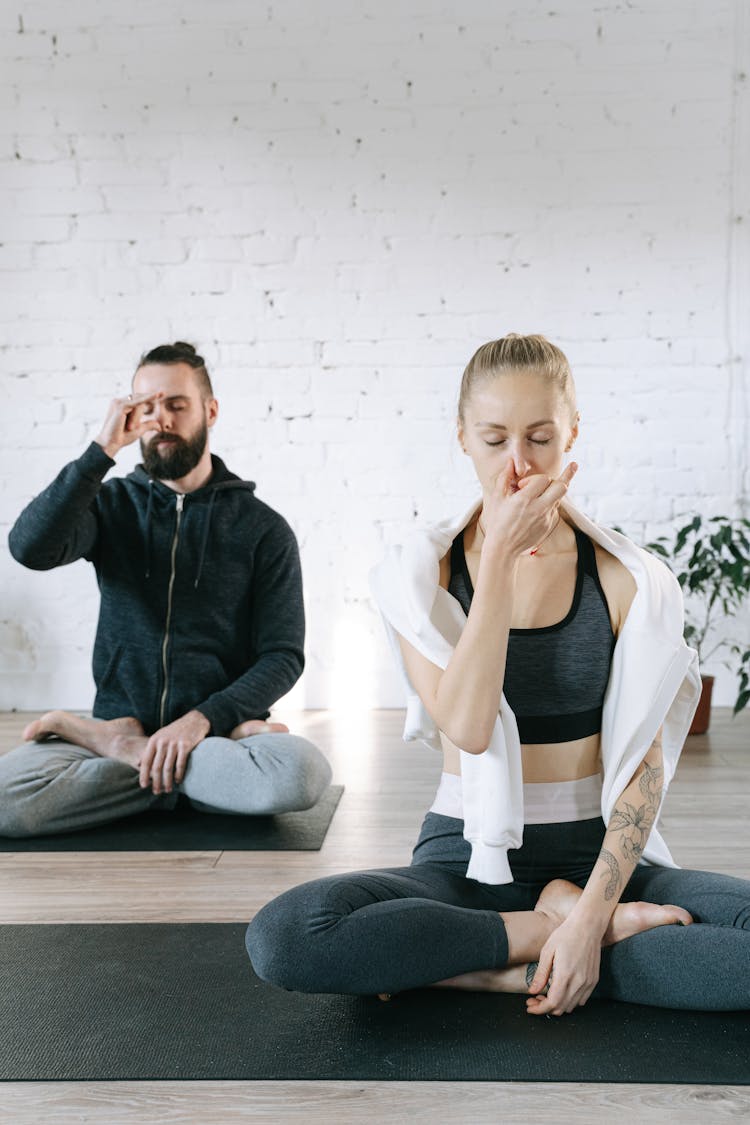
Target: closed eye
x=534, y=441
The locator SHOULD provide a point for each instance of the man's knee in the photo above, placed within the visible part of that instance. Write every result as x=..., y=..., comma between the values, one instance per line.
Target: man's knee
x=260, y=775
x=43, y=793
x=22, y=811
x=311, y=777
x=300, y=773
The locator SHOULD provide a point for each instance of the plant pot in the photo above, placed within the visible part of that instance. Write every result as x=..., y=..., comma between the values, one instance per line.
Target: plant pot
x=702, y=716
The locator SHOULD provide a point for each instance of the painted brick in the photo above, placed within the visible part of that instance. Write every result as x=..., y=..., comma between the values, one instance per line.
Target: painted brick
x=338, y=206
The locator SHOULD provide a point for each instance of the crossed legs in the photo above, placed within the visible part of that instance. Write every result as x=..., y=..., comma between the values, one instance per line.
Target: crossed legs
x=375, y=932
x=383, y=932
x=90, y=776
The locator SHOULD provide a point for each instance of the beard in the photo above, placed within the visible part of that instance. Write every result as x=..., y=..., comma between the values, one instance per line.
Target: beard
x=180, y=457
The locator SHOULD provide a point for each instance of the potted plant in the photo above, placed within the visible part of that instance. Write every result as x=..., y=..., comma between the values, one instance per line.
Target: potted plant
x=711, y=558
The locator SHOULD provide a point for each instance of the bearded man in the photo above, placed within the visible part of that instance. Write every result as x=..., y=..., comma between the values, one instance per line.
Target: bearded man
x=201, y=625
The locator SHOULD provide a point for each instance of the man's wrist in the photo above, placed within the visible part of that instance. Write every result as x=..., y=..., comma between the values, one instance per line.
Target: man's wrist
x=201, y=721
x=108, y=448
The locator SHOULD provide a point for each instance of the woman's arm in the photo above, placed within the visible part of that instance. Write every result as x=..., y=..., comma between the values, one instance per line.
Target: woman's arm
x=464, y=699
x=574, y=949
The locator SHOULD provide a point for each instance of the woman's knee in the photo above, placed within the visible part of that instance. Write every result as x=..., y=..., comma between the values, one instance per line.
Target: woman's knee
x=277, y=942
x=294, y=941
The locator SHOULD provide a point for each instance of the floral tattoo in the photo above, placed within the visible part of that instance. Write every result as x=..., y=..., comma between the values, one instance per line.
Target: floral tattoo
x=612, y=876
x=634, y=824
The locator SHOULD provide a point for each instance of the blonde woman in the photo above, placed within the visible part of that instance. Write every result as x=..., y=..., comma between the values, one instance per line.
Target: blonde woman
x=544, y=655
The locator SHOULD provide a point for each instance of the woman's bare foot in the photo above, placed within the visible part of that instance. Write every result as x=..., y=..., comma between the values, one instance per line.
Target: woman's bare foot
x=559, y=897
x=258, y=726
x=556, y=902
x=512, y=979
x=123, y=738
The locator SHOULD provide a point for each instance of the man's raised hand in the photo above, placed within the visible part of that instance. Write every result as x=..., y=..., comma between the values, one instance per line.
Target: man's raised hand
x=128, y=419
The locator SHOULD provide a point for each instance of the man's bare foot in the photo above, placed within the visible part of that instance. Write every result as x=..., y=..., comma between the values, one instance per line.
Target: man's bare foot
x=258, y=726
x=559, y=897
x=123, y=738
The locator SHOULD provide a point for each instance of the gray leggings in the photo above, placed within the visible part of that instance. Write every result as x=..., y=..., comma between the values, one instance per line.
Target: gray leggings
x=386, y=931
x=50, y=787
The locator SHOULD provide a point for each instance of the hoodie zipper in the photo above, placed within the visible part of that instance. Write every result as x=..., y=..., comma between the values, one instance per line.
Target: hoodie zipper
x=165, y=643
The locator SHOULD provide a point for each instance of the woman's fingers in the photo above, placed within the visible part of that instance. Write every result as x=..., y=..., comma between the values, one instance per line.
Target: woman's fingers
x=543, y=972
x=551, y=491
x=566, y=993
x=502, y=481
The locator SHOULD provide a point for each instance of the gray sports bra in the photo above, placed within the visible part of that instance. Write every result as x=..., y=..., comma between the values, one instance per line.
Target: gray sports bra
x=556, y=676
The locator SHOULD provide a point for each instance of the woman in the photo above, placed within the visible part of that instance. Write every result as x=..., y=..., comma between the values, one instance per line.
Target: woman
x=550, y=652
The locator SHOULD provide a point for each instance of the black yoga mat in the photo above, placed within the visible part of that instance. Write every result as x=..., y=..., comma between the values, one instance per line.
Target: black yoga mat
x=159, y=1001
x=184, y=829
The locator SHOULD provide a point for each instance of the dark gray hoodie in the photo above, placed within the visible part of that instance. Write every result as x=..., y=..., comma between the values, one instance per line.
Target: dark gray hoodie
x=201, y=595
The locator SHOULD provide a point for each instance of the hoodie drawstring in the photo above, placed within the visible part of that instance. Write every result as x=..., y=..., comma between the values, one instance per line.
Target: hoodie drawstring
x=149, y=508
x=204, y=540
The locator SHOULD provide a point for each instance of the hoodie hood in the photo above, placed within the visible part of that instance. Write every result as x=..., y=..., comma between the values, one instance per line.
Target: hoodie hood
x=222, y=480
x=221, y=477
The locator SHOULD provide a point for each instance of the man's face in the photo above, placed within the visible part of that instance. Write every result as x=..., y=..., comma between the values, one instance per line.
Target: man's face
x=184, y=418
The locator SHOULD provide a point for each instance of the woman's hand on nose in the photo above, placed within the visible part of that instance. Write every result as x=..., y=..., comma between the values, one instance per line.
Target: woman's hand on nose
x=518, y=515
x=541, y=484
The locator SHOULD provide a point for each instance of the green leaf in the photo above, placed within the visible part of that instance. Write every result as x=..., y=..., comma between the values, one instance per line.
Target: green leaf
x=742, y=701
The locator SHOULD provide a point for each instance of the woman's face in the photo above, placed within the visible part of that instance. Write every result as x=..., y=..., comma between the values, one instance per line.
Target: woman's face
x=516, y=416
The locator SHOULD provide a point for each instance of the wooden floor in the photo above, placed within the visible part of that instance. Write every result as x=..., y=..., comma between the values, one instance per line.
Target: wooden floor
x=388, y=787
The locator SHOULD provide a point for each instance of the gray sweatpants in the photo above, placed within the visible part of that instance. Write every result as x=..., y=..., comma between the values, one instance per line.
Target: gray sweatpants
x=50, y=787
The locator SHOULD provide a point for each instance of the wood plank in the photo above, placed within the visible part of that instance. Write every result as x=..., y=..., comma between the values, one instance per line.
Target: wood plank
x=319, y=1103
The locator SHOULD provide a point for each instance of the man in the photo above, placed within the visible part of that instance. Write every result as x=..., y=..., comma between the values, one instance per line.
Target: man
x=201, y=625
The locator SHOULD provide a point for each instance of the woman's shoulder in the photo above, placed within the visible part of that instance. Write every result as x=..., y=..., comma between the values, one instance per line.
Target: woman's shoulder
x=618, y=584
x=445, y=570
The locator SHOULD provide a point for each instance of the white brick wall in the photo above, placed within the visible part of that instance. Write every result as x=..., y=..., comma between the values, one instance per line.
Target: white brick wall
x=338, y=202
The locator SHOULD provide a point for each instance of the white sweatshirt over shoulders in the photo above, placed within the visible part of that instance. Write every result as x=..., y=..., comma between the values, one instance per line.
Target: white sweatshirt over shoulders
x=654, y=682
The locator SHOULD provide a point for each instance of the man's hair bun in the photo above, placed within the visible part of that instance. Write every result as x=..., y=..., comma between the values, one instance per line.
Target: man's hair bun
x=181, y=352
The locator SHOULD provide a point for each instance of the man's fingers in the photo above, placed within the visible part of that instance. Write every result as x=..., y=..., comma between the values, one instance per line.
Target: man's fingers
x=144, y=769
x=138, y=400
x=182, y=757
x=156, y=767
x=134, y=415
x=167, y=769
